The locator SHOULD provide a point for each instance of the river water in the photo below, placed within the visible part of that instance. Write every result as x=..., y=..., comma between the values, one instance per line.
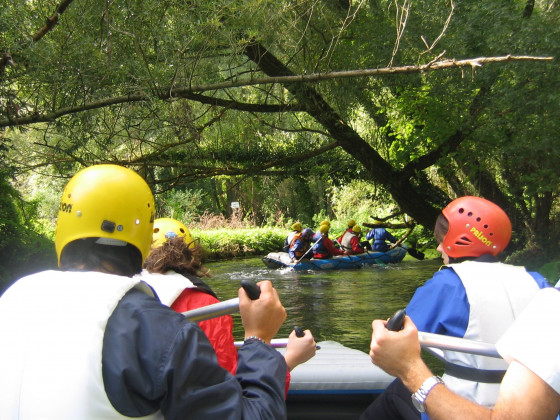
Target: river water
x=334, y=305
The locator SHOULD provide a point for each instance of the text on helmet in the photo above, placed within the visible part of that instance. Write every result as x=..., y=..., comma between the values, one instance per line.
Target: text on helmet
x=481, y=237
x=65, y=207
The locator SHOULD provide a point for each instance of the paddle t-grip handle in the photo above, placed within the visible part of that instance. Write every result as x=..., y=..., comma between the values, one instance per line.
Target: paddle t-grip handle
x=396, y=322
x=251, y=288
x=299, y=331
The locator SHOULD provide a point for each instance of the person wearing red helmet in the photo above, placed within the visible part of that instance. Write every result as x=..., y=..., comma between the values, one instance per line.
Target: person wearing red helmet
x=472, y=296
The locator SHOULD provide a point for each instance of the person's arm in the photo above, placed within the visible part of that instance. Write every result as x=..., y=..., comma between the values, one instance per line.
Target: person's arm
x=330, y=247
x=391, y=238
x=218, y=330
x=441, y=306
x=295, y=247
x=264, y=316
x=355, y=242
x=155, y=359
x=523, y=395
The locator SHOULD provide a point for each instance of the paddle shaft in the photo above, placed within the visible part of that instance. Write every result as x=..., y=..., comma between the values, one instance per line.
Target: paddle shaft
x=429, y=340
x=462, y=345
x=310, y=248
x=223, y=308
x=444, y=342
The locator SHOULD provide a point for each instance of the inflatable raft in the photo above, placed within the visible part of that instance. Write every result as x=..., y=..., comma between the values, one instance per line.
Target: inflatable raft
x=283, y=260
x=338, y=383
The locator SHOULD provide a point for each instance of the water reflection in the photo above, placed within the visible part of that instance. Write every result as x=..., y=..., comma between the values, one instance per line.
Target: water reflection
x=335, y=305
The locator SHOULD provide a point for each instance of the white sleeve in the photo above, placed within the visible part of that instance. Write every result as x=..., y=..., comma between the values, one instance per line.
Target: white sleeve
x=534, y=338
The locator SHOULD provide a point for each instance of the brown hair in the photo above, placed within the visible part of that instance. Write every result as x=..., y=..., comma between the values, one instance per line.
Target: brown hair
x=87, y=255
x=441, y=228
x=176, y=255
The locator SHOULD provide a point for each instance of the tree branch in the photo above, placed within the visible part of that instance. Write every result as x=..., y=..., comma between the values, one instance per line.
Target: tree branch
x=192, y=92
x=52, y=20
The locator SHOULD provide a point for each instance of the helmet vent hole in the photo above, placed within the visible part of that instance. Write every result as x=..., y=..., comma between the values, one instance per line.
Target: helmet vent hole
x=461, y=211
x=182, y=230
x=156, y=230
x=470, y=214
x=463, y=241
x=485, y=226
x=478, y=219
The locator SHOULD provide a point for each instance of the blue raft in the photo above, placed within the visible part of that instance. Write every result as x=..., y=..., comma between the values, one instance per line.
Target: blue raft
x=282, y=260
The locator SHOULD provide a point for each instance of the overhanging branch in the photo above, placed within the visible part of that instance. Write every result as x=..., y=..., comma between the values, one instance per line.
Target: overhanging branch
x=194, y=91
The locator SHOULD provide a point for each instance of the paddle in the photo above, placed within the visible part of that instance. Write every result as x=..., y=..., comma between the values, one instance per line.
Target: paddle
x=310, y=248
x=280, y=342
x=428, y=341
x=223, y=308
x=419, y=255
x=445, y=342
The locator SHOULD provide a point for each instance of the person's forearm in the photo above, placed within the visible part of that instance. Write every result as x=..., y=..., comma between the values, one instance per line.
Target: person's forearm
x=442, y=403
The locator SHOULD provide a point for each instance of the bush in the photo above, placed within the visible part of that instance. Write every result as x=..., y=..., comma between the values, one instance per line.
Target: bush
x=229, y=243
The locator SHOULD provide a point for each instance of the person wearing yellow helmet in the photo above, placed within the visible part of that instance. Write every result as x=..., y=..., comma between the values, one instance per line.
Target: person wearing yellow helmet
x=166, y=228
x=296, y=228
x=300, y=245
x=351, y=241
x=324, y=247
x=173, y=269
x=351, y=224
x=97, y=335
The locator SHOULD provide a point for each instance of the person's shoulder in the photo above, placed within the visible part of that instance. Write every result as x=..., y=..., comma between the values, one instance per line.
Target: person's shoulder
x=444, y=276
x=140, y=306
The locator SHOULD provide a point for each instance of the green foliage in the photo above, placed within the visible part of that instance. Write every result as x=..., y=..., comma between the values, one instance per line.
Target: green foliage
x=228, y=243
x=183, y=205
x=199, y=155
x=23, y=250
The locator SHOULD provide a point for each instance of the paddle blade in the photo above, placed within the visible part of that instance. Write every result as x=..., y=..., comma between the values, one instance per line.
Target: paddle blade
x=419, y=255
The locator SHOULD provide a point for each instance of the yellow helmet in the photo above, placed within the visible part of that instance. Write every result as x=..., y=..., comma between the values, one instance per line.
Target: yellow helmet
x=351, y=223
x=325, y=222
x=356, y=229
x=165, y=228
x=297, y=226
x=106, y=201
x=324, y=228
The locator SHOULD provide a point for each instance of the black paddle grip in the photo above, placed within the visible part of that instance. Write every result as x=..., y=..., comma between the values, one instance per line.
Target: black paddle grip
x=251, y=288
x=396, y=322
x=299, y=331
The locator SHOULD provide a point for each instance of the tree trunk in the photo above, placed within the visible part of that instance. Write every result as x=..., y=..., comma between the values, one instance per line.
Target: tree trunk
x=398, y=185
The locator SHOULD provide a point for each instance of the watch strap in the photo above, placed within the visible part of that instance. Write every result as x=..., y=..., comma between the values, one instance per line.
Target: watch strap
x=419, y=397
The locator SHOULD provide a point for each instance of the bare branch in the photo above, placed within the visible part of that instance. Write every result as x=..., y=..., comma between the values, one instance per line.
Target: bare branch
x=52, y=20
x=401, y=18
x=429, y=48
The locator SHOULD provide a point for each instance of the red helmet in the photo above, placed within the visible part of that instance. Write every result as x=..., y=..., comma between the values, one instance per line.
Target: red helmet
x=476, y=227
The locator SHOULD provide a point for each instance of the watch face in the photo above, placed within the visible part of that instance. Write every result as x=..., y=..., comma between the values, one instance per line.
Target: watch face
x=417, y=404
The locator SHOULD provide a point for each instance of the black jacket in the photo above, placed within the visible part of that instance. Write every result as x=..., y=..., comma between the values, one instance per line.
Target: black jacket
x=155, y=359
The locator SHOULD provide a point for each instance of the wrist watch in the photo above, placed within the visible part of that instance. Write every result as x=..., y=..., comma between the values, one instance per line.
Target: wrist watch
x=419, y=397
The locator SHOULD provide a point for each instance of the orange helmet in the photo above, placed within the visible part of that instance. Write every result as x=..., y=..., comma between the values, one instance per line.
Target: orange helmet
x=476, y=227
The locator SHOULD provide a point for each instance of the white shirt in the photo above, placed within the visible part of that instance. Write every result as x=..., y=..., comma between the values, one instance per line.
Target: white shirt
x=534, y=339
